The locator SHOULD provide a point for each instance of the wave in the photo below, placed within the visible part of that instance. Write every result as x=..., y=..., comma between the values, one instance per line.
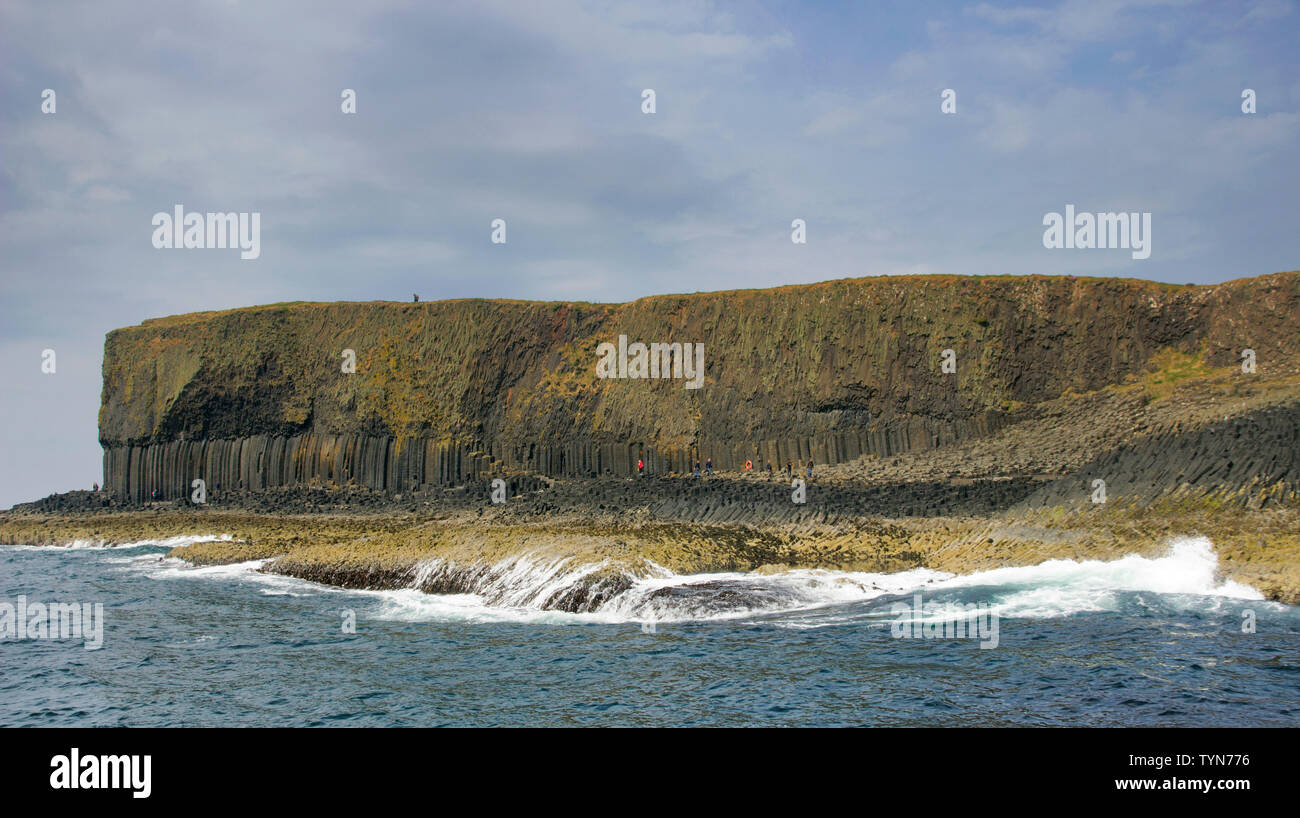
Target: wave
x=167, y=542
x=1190, y=571
x=561, y=590
x=249, y=571
x=526, y=588
x=527, y=581
x=533, y=588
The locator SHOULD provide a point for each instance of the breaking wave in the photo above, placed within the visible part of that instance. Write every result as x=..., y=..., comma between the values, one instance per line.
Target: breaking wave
x=526, y=588
x=168, y=542
x=1189, y=573
x=522, y=587
x=533, y=588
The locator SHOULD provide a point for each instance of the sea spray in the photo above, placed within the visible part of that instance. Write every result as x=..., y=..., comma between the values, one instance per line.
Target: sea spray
x=527, y=581
x=541, y=587
x=170, y=542
x=1063, y=587
x=601, y=591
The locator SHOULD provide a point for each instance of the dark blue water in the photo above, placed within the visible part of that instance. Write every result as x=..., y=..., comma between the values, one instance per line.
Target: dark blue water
x=228, y=646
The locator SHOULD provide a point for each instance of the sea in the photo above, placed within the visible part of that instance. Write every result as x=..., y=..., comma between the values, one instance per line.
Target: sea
x=1150, y=641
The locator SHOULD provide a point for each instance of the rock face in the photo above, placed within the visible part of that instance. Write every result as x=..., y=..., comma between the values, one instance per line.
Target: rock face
x=445, y=392
x=1250, y=460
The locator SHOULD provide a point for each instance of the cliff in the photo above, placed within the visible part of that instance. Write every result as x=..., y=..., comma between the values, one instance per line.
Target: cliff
x=445, y=392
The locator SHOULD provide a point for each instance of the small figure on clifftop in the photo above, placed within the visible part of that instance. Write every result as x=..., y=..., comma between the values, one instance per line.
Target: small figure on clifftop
x=94, y=487
x=415, y=298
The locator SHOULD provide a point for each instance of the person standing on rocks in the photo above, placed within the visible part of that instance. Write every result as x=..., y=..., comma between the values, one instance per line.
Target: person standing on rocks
x=810, y=468
x=697, y=468
x=708, y=467
x=640, y=467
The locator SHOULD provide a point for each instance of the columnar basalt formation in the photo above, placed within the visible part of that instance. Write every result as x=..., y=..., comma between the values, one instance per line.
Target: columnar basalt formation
x=451, y=391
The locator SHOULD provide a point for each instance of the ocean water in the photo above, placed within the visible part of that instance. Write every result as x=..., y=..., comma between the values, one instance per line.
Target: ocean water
x=1134, y=641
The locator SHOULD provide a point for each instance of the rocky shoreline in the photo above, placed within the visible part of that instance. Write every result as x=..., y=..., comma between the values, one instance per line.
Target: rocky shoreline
x=449, y=545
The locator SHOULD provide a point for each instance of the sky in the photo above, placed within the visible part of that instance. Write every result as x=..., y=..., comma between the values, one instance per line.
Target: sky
x=765, y=112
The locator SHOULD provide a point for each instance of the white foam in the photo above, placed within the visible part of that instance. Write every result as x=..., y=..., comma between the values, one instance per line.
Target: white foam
x=1187, y=576
x=1062, y=587
x=523, y=581
x=173, y=568
x=410, y=605
x=788, y=591
x=168, y=542
x=515, y=589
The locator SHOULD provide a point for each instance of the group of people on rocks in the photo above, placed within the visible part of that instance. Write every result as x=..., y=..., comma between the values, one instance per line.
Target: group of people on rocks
x=707, y=470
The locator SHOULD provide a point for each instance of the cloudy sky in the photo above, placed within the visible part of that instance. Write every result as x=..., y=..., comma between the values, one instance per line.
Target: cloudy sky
x=531, y=112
